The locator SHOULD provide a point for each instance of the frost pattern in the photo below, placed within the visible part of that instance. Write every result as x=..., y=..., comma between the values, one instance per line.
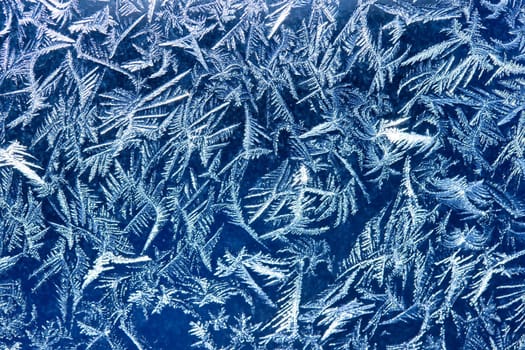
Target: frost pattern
x=259, y=174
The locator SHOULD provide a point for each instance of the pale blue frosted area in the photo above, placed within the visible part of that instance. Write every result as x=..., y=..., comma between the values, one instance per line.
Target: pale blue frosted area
x=248, y=174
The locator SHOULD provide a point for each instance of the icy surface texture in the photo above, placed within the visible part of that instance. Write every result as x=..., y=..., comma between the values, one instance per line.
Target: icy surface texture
x=248, y=174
